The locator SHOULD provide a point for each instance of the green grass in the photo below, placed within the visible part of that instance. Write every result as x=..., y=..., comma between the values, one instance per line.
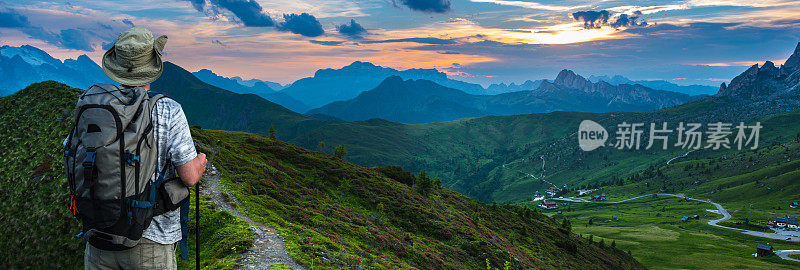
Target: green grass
x=33, y=124
x=332, y=214
x=651, y=229
x=337, y=215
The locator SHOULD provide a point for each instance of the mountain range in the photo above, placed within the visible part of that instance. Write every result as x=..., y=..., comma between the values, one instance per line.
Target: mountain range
x=329, y=85
x=424, y=101
x=692, y=90
x=21, y=66
x=265, y=89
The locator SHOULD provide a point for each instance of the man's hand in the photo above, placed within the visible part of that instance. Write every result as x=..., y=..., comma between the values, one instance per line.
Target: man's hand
x=191, y=172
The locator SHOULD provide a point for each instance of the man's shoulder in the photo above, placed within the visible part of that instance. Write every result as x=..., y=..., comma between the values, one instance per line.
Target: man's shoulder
x=168, y=103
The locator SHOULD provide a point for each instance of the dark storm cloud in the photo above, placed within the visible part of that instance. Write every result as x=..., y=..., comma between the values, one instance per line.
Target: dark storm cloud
x=434, y=6
x=592, y=19
x=326, y=42
x=249, y=12
x=353, y=30
x=302, y=24
x=426, y=40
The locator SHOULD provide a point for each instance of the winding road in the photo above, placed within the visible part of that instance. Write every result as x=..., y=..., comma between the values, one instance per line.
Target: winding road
x=783, y=254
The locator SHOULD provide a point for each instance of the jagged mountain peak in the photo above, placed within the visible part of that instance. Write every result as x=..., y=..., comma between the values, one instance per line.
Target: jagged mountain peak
x=29, y=54
x=569, y=79
x=794, y=60
x=765, y=82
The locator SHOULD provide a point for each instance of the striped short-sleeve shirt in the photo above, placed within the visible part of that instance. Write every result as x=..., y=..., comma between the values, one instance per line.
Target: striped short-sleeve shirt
x=175, y=144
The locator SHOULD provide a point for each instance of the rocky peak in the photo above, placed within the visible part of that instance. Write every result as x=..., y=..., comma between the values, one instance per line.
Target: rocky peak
x=794, y=60
x=569, y=79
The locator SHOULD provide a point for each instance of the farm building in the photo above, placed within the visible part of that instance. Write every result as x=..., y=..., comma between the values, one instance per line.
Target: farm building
x=548, y=205
x=763, y=250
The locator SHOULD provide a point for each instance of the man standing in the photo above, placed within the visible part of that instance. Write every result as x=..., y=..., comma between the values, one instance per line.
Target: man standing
x=135, y=61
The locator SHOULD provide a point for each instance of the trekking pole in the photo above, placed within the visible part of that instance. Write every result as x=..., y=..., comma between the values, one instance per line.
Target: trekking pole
x=197, y=225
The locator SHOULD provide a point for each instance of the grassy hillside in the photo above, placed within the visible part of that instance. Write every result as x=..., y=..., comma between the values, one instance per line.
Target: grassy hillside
x=38, y=228
x=333, y=214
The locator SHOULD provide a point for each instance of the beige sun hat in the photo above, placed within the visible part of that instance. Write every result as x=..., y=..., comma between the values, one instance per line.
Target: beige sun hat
x=135, y=58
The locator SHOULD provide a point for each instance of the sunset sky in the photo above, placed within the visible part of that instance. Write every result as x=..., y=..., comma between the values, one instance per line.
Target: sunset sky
x=482, y=41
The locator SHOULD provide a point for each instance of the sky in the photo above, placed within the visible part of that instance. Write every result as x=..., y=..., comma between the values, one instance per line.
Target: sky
x=481, y=41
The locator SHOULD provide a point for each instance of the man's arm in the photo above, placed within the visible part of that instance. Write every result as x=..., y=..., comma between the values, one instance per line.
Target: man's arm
x=191, y=171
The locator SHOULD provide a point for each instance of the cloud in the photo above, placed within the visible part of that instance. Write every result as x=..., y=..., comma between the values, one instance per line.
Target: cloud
x=77, y=39
x=219, y=43
x=529, y=5
x=625, y=20
x=302, y=24
x=596, y=19
x=128, y=22
x=426, y=40
x=198, y=4
x=592, y=19
x=9, y=18
x=249, y=12
x=433, y=6
x=327, y=42
x=353, y=30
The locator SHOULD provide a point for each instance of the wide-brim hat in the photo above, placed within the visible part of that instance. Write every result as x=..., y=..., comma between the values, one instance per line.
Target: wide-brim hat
x=135, y=57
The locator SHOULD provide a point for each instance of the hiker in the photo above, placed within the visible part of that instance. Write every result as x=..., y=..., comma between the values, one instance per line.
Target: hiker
x=115, y=144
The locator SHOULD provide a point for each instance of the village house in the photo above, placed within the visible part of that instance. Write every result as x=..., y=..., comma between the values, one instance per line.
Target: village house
x=763, y=250
x=552, y=191
x=601, y=197
x=548, y=205
x=785, y=223
x=687, y=218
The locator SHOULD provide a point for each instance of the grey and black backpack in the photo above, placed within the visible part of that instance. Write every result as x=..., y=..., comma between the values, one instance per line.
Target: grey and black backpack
x=110, y=157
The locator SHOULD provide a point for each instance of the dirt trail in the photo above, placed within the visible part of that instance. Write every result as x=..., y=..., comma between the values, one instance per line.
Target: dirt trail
x=268, y=246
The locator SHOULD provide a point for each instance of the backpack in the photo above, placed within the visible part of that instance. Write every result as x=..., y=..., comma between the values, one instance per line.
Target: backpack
x=110, y=156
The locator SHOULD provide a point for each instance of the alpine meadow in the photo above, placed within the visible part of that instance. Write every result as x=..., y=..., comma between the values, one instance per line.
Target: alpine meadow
x=412, y=134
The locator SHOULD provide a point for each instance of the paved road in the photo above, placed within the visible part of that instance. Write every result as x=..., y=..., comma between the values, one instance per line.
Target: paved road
x=784, y=254
x=720, y=210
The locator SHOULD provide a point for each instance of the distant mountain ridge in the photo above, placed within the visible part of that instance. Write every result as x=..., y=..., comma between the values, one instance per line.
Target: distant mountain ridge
x=693, y=90
x=512, y=87
x=252, y=86
x=424, y=101
x=21, y=66
x=329, y=85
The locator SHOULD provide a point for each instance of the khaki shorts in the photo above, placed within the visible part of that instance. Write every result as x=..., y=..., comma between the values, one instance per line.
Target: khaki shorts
x=146, y=255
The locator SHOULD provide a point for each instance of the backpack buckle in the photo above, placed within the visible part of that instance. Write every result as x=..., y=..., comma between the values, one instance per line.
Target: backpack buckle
x=88, y=161
x=131, y=159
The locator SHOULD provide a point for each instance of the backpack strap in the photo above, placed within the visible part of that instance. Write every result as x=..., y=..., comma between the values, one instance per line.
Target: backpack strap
x=184, y=214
